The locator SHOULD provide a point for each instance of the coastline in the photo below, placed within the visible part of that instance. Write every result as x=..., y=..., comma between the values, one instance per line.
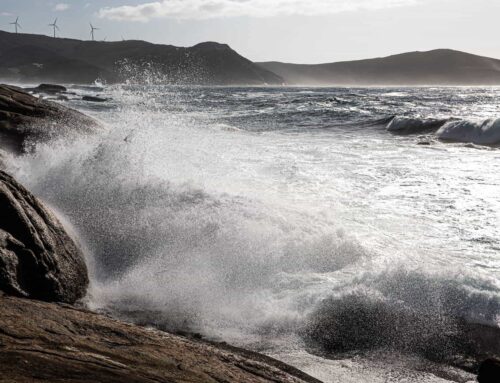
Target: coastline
x=42, y=339
x=247, y=354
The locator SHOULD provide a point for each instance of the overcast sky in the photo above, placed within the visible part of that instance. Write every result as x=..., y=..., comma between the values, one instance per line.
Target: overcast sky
x=302, y=31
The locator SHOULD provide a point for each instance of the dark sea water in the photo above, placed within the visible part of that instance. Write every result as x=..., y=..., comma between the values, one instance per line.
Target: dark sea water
x=307, y=224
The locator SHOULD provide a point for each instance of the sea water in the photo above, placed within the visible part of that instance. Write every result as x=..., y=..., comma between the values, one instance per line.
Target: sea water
x=304, y=223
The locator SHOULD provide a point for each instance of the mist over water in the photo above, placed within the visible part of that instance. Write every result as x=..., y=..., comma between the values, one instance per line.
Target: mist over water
x=286, y=220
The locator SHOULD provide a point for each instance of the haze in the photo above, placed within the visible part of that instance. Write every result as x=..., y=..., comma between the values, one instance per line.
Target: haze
x=300, y=31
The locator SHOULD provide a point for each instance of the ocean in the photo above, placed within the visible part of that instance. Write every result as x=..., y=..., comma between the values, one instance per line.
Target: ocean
x=348, y=232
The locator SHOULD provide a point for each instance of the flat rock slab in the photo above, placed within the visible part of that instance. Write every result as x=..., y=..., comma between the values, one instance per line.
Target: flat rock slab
x=27, y=119
x=38, y=259
x=45, y=342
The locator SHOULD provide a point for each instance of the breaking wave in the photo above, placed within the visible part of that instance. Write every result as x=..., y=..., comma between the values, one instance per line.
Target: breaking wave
x=480, y=133
x=485, y=132
x=408, y=125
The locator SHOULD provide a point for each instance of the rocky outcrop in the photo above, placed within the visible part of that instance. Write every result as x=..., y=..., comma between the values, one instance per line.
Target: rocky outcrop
x=43, y=342
x=26, y=119
x=38, y=259
x=94, y=99
x=49, y=89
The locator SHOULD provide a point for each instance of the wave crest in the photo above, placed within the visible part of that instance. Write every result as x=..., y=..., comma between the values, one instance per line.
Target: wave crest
x=485, y=132
x=479, y=133
x=408, y=125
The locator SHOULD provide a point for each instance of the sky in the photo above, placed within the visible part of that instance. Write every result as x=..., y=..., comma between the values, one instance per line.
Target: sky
x=299, y=31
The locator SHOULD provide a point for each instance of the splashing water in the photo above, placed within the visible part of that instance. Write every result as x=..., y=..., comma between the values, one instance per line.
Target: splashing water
x=289, y=221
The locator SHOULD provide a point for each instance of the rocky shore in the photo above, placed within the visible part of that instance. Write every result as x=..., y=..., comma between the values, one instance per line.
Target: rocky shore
x=47, y=335
x=42, y=342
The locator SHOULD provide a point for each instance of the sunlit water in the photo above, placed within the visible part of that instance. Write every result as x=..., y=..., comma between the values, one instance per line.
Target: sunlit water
x=235, y=212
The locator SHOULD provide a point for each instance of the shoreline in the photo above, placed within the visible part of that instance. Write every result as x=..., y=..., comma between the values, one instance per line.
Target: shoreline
x=42, y=339
x=264, y=361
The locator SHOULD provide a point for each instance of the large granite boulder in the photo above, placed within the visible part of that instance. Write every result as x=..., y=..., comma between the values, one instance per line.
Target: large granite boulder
x=38, y=259
x=26, y=119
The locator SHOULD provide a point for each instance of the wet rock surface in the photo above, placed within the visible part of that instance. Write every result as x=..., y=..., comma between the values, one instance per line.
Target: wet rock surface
x=42, y=342
x=38, y=259
x=48, y=89
x=94, y=99
x=25, y=119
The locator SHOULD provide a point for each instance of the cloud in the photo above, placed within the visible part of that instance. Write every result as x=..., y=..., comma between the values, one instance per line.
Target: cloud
x=207, y=9
x=6, y=14
x=61, y=7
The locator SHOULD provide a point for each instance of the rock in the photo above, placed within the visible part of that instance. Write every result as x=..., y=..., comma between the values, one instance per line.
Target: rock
x=25, y=119
x=489, y=371
x=94, y=99
x=50, y=88
x=38, y=259
x=46, y=342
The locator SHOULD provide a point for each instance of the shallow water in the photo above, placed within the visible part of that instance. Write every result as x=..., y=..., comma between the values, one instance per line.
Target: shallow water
x=236, y=212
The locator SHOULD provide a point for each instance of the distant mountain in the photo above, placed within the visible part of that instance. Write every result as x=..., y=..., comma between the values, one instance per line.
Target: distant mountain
x=31, y=58
x=438, y=67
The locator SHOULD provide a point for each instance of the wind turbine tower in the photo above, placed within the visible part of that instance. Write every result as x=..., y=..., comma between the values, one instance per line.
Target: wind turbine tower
x=92, y=29
x=16, y=24
x=54, y=25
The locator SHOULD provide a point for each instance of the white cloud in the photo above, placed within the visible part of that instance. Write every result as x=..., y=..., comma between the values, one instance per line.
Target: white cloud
x=61, y=7
x=206, y=9
x=6, y=14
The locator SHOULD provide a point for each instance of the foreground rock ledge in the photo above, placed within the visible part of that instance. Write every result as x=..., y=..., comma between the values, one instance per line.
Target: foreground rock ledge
x=38, y=259
x=46, y=342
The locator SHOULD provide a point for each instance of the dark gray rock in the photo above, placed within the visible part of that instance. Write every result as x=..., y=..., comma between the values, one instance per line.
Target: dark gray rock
x=489, y=372
x=38, y=259
x=25, y=120
x=94, y=99
x=49, y=89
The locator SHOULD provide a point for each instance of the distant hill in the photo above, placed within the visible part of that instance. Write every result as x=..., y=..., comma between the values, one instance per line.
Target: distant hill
x=438, y=67
x=31, y=58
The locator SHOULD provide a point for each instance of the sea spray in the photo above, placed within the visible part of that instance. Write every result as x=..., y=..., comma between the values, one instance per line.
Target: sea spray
x=273, y=233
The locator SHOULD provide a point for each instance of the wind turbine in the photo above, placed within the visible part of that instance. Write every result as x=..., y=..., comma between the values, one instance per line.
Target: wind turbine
x=92, y=29
x=16, y=24
x=54, y=25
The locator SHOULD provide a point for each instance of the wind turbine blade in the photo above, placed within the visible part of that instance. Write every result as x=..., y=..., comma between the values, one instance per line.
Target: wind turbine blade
x=57, y=27
x=17, y=19
x=19, y=26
